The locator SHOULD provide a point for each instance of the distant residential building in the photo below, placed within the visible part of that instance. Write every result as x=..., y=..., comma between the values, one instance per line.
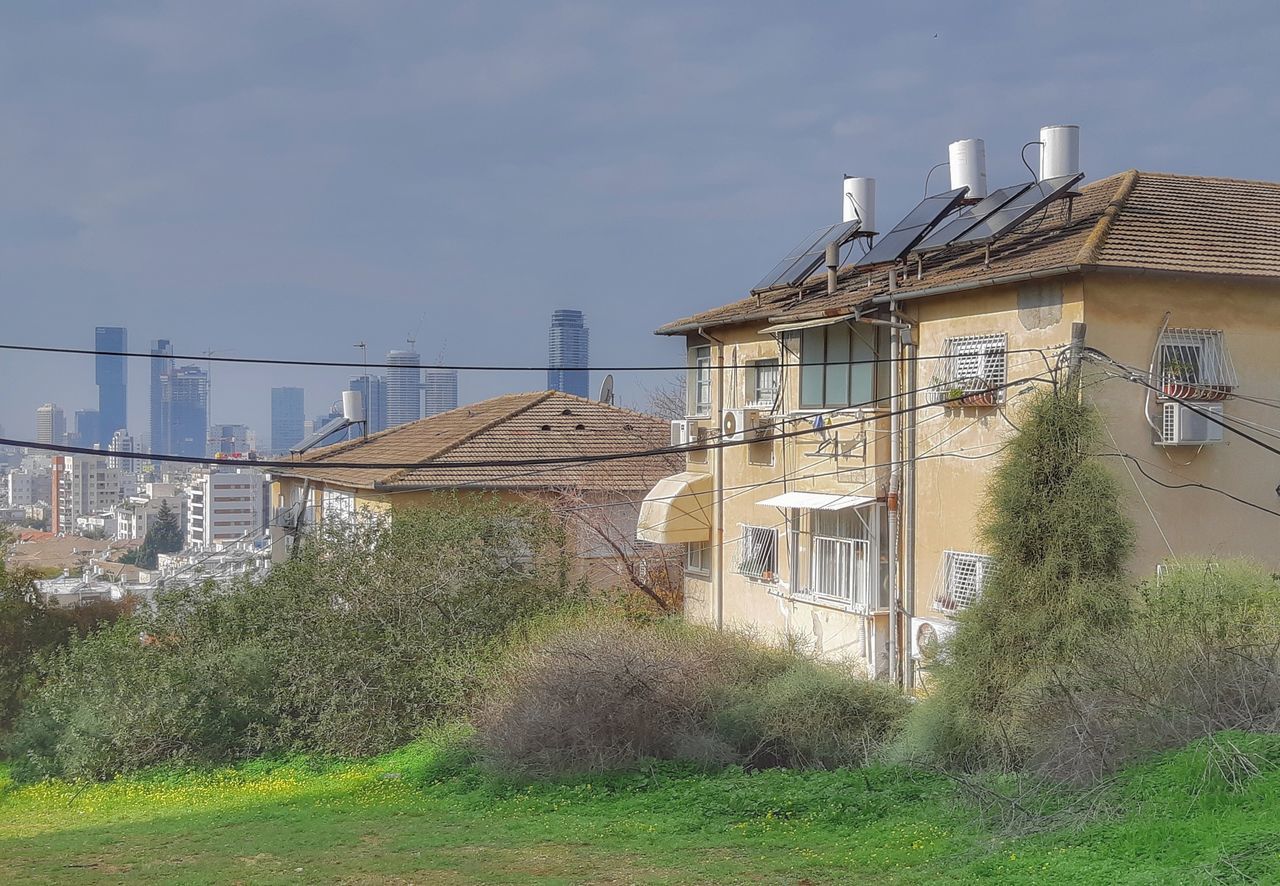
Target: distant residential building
x=404, y=387
x=567, y=353
x=82, y=485
x=87, y=428
x=135, y=515
x=160, y=417
x=111, y=372
x=441, y=391
x=51, y=425
x=229, y=439
x=188, y=411
x=25, y=487
x=373, y=391
x=288, y=418
x=123, y=441
x=224, y=507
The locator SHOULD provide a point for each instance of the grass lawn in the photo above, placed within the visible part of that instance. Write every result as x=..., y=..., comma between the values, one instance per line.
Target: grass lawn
x=424, y=815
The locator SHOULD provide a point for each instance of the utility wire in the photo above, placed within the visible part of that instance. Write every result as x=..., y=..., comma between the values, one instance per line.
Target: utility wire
x=492, y=463
x=462, y=367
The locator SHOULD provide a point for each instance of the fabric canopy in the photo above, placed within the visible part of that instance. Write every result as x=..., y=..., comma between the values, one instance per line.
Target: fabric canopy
x=816, y=501
x=677, y=509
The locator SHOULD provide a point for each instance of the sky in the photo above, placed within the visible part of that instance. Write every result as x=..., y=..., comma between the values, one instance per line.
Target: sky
x=285, y=179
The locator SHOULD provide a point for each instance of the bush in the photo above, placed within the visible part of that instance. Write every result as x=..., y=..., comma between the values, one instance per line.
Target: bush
x=1201, y=655
x=373, y=632
x=595, y=693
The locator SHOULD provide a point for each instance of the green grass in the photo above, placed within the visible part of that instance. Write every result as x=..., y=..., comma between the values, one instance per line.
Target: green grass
x=426, y=815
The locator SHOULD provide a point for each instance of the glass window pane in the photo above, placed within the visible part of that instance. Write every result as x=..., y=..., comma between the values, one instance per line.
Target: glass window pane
x=811, y=375
x=838, y=355
x=864, y=372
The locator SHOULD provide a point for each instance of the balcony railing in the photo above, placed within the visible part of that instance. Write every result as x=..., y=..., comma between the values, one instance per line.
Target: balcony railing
x=841, y=571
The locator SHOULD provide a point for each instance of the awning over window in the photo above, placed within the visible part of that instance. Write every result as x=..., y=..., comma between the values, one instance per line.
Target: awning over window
x=816, y=501
x=677, y=509
x=805, y=324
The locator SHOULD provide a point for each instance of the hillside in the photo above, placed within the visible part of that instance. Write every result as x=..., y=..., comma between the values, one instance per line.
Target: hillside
x=427, y=815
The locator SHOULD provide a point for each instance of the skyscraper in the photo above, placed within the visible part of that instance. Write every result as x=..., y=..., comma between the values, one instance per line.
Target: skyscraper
x=288, y=418
x=160, y=417
x=231, y=439
x=112, y=374
x=373, y=391
x=567, y=354
x=88, y=429
x=51, y=425
x=441, y=387
x=188, y=411
x=404, y=387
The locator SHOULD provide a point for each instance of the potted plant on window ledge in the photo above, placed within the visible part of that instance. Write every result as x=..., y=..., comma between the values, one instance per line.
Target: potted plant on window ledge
x=976, y=392
x=1180, y=383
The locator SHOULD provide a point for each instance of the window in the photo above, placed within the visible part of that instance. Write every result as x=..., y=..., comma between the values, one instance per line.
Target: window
x=838, y=556
x=837, y=365
x=974, y=370
x=757, y=553
x=698, y=558
x=762, y=383
x=960, y=580
x=1194, y=365
x=700, y=380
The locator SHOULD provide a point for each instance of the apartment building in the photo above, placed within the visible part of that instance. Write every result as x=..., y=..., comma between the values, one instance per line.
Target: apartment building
x=857, y=414
x=82, y=486
x=224, y=507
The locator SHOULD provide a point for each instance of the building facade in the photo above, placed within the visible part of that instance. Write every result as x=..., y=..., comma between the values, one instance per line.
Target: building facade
x=189, y=411
x=111, y=372
x=865, y=411
x=160, y=416
x=440, y=391
x=51, y=425
x=230, y=439
x=82, y=486
x=288, y=418
x=404, y=387
x=568, y=353
x=224, y=507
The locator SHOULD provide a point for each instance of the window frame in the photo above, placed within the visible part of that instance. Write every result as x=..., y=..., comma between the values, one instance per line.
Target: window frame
x=757, y=396
x=701, y=564
x=1214, y=376
x=975, y=369
x=842, y=385
x=699, y=382
x=945, y=599
x=756, y=557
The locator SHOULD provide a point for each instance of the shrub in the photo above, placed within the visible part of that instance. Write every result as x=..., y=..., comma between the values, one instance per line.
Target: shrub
x=375, y=630
x=594, y=693
x=1201, y=655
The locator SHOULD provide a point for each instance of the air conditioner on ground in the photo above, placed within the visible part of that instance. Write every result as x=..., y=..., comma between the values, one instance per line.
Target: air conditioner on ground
x=742, y=424
x=1189, y=426
x=684, y=431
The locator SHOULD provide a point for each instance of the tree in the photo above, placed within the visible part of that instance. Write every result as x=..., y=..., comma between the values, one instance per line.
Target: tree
x=1059, y=539
x=164, y=536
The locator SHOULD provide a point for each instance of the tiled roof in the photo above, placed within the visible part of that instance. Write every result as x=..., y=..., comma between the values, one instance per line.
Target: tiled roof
x=543, y=424
x=1151, y=220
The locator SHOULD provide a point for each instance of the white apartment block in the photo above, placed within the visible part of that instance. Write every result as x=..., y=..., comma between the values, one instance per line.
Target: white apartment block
x=86, y=485
x=24, y=487
x=135, y=515
x=224, y=507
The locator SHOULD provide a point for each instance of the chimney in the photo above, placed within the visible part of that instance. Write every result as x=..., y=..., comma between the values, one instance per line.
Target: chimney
x=859, y=201
x=1060, y=150
x=967, y=160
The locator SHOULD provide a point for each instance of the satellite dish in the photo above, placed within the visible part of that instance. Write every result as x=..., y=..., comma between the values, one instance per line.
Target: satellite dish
x=606, y=389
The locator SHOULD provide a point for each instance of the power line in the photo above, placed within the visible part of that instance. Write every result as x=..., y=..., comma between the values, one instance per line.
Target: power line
x=348, y=364
x=1138, y=463
x=492, y=463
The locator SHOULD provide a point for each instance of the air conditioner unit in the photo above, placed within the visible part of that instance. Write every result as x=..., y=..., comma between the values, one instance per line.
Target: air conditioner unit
x=684, y=431
x=925, y=633
x=741, y=424
x=1187, y=426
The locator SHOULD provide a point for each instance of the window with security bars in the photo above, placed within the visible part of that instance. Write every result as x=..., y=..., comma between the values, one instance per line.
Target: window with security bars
x=757, y=555
x=960, y=580
x=1193, y=364
x=762, y=383
x=974, y=370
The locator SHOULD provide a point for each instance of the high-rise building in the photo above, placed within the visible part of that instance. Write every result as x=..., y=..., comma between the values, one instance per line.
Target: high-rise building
x=404, y=387
x=288, y=418
x=230, y=439
x=86, y=429
x=188, y=411
x=111, y=372
x=441, y=388
x=373, y=391
x=51, y=425
x=161, y=418
x=567, y=354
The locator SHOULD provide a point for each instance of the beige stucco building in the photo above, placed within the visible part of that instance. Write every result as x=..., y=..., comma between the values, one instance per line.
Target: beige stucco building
x=854, y=419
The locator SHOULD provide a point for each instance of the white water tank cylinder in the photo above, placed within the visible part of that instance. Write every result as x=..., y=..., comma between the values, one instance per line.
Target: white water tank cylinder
x=352, y=406
x=967, y=159
x=859, y=200
x=1060, y=153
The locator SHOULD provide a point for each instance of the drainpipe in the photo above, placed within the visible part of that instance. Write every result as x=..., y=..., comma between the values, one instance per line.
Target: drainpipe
x=911, y=349
x=717, y=484
x=895, y=474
